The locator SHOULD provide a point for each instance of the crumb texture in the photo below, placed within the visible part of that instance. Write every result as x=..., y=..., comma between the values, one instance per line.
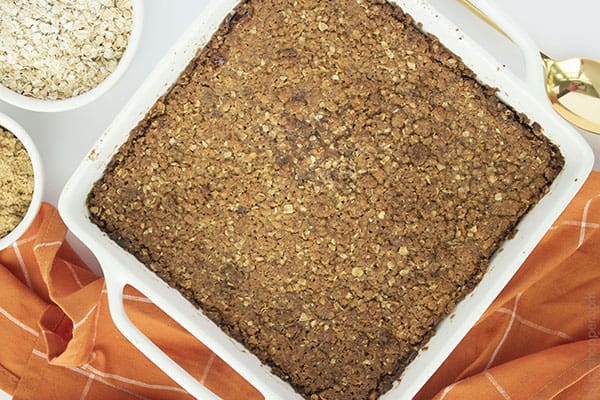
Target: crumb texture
x=326, y=182
x=16, y=182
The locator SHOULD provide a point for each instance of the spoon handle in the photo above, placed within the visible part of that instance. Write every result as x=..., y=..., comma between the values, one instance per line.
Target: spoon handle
x=484, y=17
x=501, y=22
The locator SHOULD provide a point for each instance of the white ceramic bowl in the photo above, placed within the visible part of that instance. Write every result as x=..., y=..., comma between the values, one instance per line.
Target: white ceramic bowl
x=33, y=104
x=38, y=180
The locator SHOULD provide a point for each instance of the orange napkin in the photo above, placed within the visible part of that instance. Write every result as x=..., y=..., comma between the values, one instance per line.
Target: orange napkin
x=539, y=340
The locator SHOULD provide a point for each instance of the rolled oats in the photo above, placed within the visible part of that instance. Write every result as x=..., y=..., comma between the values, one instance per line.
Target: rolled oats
x=62, y=48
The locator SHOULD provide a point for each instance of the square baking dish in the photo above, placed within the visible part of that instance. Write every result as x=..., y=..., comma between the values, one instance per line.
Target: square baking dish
x=121, y=268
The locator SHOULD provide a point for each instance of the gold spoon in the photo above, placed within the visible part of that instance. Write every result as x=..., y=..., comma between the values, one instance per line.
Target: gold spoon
x=572, y=85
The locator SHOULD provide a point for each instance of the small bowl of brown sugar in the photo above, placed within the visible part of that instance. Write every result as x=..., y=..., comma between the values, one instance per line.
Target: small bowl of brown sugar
x=62, y=54
x=21, y=181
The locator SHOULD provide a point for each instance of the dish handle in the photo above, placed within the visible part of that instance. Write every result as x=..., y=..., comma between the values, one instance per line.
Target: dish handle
x=534, y=68
x=115, y=287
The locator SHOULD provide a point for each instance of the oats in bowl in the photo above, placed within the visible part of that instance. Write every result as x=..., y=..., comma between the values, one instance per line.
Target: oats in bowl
x=16, y=182
x=59, y=49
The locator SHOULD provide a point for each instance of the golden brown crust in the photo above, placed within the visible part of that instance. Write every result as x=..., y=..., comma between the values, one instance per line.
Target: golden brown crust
x=326, y=182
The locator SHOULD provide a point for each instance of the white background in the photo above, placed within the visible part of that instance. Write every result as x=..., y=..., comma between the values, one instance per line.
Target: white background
x=65, y=138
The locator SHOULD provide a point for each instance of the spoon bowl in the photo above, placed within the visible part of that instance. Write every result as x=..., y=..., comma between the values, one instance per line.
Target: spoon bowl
x=573, y=87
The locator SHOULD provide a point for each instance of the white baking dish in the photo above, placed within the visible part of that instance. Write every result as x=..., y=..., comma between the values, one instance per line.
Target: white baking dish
x=121, y=268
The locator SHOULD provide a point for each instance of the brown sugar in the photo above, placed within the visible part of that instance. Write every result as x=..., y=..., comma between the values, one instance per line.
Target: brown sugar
x=16, y=182
x=326, y=182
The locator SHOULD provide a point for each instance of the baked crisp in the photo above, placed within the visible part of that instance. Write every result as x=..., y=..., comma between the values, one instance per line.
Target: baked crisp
x=326, y=182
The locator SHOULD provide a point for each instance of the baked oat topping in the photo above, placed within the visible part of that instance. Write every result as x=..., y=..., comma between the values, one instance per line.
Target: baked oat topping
x=326, y=182
x=62, y=48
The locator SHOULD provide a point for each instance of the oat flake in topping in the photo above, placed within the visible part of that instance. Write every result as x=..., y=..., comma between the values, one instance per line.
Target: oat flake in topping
x=59, y=49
